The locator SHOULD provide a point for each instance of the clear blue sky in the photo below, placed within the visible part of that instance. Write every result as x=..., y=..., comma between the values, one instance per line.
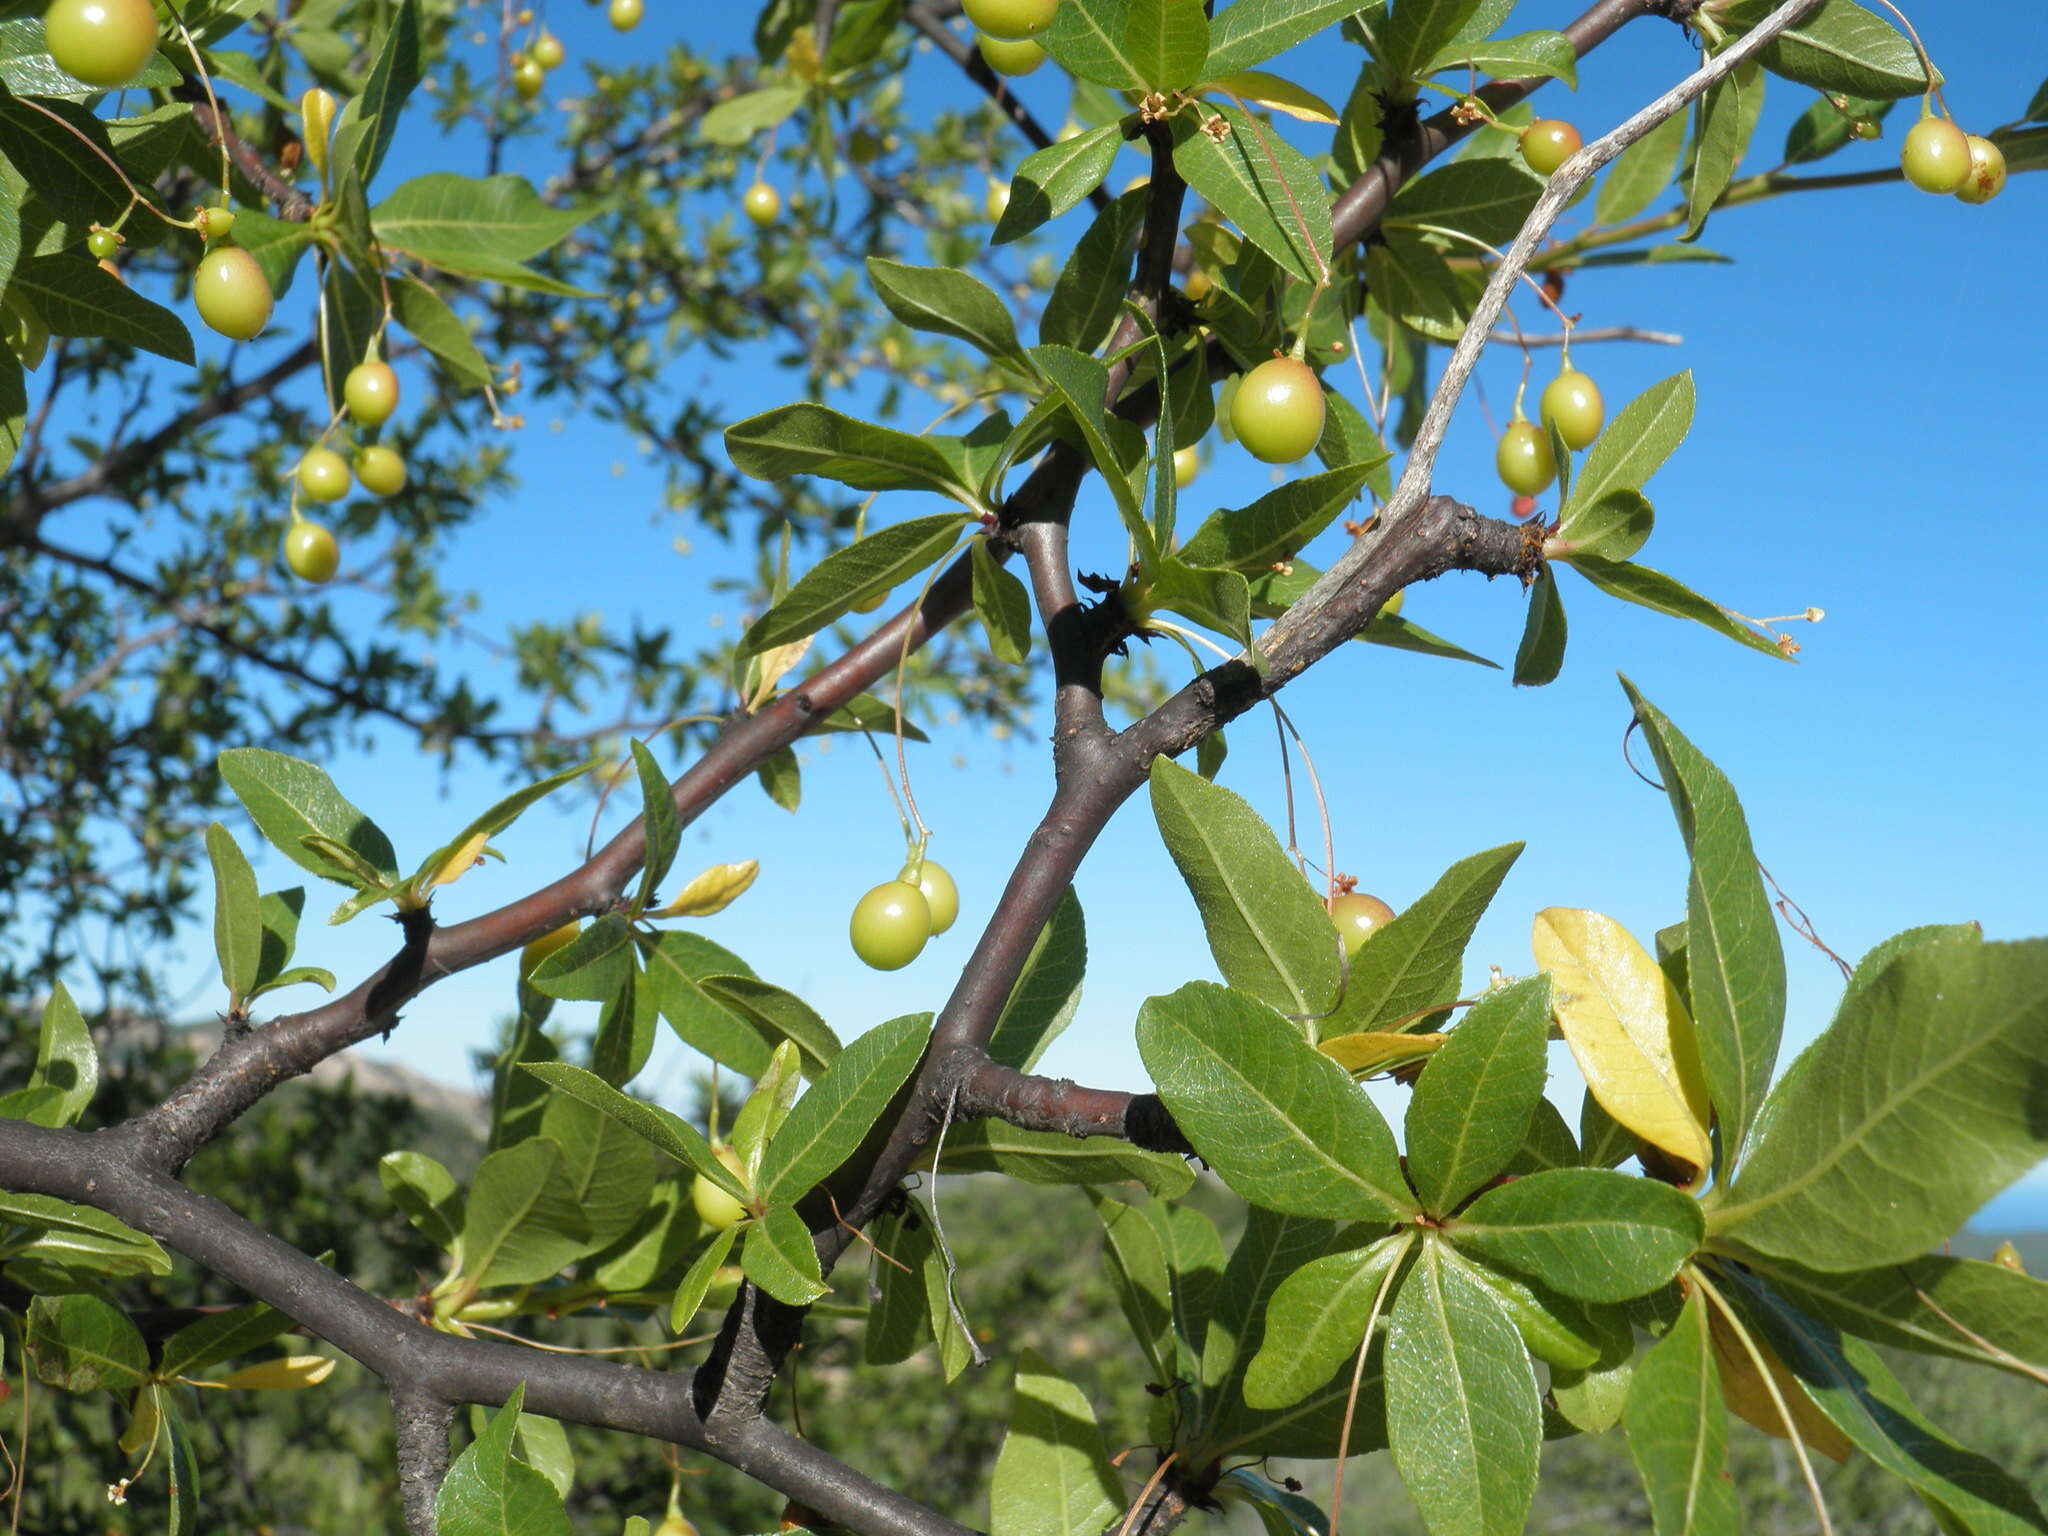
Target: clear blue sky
x=1867, y=436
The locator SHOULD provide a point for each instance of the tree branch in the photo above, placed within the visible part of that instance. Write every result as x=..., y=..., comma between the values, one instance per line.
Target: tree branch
x=988, y=1089
x=423, y=1424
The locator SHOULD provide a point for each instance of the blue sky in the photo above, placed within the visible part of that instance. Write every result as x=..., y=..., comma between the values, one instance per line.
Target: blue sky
x=1867, y=442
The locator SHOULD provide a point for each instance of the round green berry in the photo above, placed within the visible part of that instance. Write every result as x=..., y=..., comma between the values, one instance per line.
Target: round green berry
x=371, y=393
x=1011, y=19
x=381, y=470
x=1547, y=143
x=1524, y=459
x=102, y=243
x=1277, y=412
x=1010, y=58
x=323, y=475
x=941, y=895
x=1358, y=917
x=528, y=79
x=1187, y=467
x=546, y=51
x=762, y=204
x=715, y=1208
x=232, y=293
x=627, y=14
x=1571, y=403
x=890, y=925
x=102, y=42
x=1987, y=171
x=311, y=552
x=1937, y=156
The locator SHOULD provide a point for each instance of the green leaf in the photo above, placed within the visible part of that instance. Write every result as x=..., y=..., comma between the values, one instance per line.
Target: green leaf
x=808, y=439
x=1002, y=605
x=79, y=1343
x=1167, y=41
x=76, y=1237
x=1613, y=528
x=1418, y=30
x=1262, y=184
x=1316, y=1320
x=830, y=1121
x=596, y=966
x=1087, y=298
x=1052, y=1157
x=1053, y=1475
x=1639, y=175
x=737, y=119
x=369, y=122
x=1134, y=1257
x=221, y=1336
x=1585, y=1232
x=475, y=227
x=426, y=1193
x=521, y=1224
x=948, y=302
x=1486, y=199
x=1270, y=935
x=67, y=1070
x=664, y=833
x=1936, y=1305
x=678, y=965
x=64, y=154
x=1348, y=438
x=1463, y=1419
x=1280, y=523
x=1945, y=1046
x=1471, y=1108
x=696, y=1281
x=497, y=819
x=1678, y=1431
x=1632, y=449
x=1659, y=593
x=436, y=327
x=1540, y=656
x=1853, y=1386
x=1250, y=32
x=289, y=799
x=1722, y=123
x=1417, y=961
x=1824, y=127
x=897, y=1325
x=1090, y=42
x=1282, y=1123
x=181, y=1474
x=1216, y=600
x=781, y=779
x=488, y=1492
x=609, y=1167
x=1082, y=384
x=1735, y=964
x=1410, y=279
x=780, y=1258
x=876, y=563
x=75, y=298
x=1843, y=47
x=776, y=1015
x=1054, y=179
x=865, y=712
x=662, y=1130
x=1047, y=990
x=1553, y=1327
x=237, y=916
x=1512, y=58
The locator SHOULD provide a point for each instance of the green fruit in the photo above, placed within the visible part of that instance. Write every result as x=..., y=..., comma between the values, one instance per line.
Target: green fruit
x=528, y=79
x=27, y=337
x=1277, y=412
x=311, y=552
x=1009, y=58
x=626, y=14
x=1011, y=19
x=1358, y=917
x=1547, y=143
x=762, y=203
x=1937, y=156
x=323, y=475
x=539, y=949
x=381, y=470
x=941, y=895
x=864, y=146
x=102, y=42
x=1571, y=403
x=1524, y=459
x=214, y=223
x=102, y=243
x=371, y=393
x=891, y=925
x=1187, y=465
x=232, y=294
x=1987, y=171
x=870, y=604
x=715, y=1208
x=546, y=51
x=997, y=201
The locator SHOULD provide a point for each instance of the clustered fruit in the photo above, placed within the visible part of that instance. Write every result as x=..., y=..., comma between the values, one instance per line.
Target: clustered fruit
x=370, y=396
x=892, y=923
x=1571, y=404
x=531, y=64
x=1007, y=32
x=1940, y=158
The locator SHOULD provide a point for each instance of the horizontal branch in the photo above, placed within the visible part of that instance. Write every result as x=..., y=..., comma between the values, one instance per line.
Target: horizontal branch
x=986, y=1089
x=1591, y=334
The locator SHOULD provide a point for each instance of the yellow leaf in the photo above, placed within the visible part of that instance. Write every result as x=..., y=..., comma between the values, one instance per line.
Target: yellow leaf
x=1377, y=1052
x=460, y=862
x=772, y=666
x=713, y=891
x=294, y=1373
x=1743, y=1390
x=1270, y=91
x=1628, y=1029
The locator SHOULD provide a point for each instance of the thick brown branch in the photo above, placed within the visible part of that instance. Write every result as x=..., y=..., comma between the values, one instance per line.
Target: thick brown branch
x=289, y=201
x=986, y=1088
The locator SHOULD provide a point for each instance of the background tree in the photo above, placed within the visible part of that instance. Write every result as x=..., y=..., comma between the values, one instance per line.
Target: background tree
x=1499, y=1284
